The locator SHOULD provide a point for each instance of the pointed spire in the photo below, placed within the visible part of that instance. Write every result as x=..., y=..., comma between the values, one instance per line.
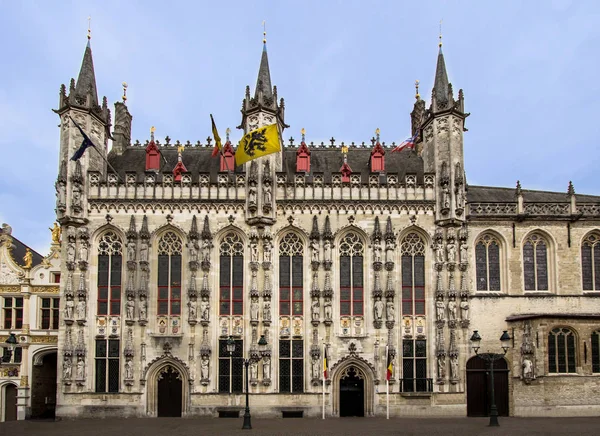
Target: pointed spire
x=327, y=232
x=376, y=230
x=86, y=81
x=194, y=230
x=144, y=232
x=571, y=189
x=206, y=230
x=314, y=234
x=440, y=86
x=389, y=231
x=132, y=232
x=263, y=82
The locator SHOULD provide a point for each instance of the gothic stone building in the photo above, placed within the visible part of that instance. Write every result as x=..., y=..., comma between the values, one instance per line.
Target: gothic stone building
x=29, y=320
x=348, y=250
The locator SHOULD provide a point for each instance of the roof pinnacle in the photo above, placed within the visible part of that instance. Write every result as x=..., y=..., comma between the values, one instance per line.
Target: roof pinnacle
x=124, y=92
x=440, y=43
x=264, y=32
x=417, y=95
x=89, y=32
x=152, y=130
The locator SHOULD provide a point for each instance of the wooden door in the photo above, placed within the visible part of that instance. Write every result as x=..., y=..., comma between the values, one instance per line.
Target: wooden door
x=479, y=387
x=169, y=393
x=352, y=394
x=10, y=403
x=43, y=388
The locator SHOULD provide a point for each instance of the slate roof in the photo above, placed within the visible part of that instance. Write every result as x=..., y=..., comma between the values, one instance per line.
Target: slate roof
x=491, y=194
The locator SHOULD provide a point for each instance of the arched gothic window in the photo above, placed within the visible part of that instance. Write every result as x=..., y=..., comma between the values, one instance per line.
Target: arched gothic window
x=596, y=351
x=110, y=262
x=535, y=263
x=231, y=278
x=487, y=263
x=561, y=351
x=413, y=275
x=169, y=274
x=291, y=258
x=590, y=263
x=351, y=275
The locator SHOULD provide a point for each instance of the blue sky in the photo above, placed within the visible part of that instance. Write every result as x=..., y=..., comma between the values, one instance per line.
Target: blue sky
x=528, y=69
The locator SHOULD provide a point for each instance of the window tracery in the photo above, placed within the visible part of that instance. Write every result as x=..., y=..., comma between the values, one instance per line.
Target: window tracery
x=487, y=263
x=561, y=351
x=351, y=275
x=110, y=264
x=169, y=274
x=291, y=261
x=231, y=275
x=590, y=262
x=535, y=263
x=412, y=249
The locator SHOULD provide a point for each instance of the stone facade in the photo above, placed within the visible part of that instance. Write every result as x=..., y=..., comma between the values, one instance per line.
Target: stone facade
x=162, y=265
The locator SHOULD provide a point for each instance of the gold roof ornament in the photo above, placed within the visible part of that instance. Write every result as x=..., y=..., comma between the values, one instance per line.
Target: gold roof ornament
x=152, y=130
x=28, y=259
x=124, y=92
x=227, y=132
x=417, y=95
x=440, y=43
x=89, y=34
x=56, y=231
x=377, y=132
x=264, y=32
x=303, y=133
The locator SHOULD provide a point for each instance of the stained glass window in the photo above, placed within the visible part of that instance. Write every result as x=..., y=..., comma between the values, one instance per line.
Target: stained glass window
x=231, y=367
x=231, y=276
x=291, y=260
x=487, y=263
x=414, y=365
x=535, y=263
x=590, y=263
x=291, y=365
x=110, y=263
x=561, y=351
x=351, y=275
x=412, y=250
x=107, y=365
x=169, y=274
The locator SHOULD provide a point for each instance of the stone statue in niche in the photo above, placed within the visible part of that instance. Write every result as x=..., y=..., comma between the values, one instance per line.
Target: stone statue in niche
x=316, y=368
x=463, y=252
x=327, y=250
x=204, y=368
x=144, y=251
x=439, y=252
x=81, y=308
x=83, y=250
x=80, y=372
x=254, y=310
x=314, y=309
x=328, y=309
x=206, y=245
x=377, y=251
x=454, y=367
x=267, y=311
x=204, y=309
x=252, y=195
x=452, y=309
x=143, y=307
x=464, y=308
x=130, y=306
x=193, y=250
x=76, y=195
x=314, y=246
x=445, y=197
x=267, y=194
x=460, y=196
x=67, y=368
x=527, y=368
x=192, y=308
x=389, y=310
x=128, y=370
x=69, y=307
x=389, y=251
x=451, y=251
x=439, y=309
x=267, y=251
x=254, y=370
x=61, y=194
x=131, y=251
x=267, y=367
x=378, y=309
x=254, y=251
x=441, y=364
x=71, y=252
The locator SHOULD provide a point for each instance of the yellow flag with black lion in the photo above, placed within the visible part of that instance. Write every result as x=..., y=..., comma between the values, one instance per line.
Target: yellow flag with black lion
x=258, y=143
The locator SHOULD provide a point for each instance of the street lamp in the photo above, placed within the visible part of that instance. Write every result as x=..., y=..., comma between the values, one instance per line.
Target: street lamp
x=12, y=343
x=491, y=358
x=262, y=343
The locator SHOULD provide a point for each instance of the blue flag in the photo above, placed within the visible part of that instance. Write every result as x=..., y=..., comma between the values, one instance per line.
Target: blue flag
x=87, y=142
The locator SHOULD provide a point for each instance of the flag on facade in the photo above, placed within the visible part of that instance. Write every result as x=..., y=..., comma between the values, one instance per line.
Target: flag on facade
x=389, y=366
x=87, y=142
x=258, y=143
x=325, y=364
x=218, y=145
x=408, y=144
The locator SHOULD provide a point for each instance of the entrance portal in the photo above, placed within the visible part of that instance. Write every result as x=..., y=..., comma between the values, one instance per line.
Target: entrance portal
x=169, y=392
x=479, y=387
x=352, y=393
x=43, y=388
x=10, y=402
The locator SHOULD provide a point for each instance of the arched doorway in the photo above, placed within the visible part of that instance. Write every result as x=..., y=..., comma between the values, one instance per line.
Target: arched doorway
x=43, y=385
x=169, y=392
x=10, y=402
x=352, y=392
x=479, y=387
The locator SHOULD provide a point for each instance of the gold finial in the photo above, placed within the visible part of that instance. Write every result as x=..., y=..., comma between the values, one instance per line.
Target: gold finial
x=152, y=130
x=89, y=35
x=345, y=150
x=180, y=149
x=417, y=95
x=440, y=44
x=28, y=259
x=303, y=133
x=124, y=92
x=264, y=32
x=227, y=132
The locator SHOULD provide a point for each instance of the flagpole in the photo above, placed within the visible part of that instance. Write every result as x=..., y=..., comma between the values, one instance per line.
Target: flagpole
x=324, y=350
x=387, y=385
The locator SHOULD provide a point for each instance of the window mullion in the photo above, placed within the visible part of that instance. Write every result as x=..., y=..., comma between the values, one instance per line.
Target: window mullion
x=487, y=266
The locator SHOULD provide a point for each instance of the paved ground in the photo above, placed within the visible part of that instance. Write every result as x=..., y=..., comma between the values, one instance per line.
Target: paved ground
x=305, y=426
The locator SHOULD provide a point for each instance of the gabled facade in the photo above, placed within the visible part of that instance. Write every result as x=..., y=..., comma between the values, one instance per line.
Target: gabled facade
x=377, y=264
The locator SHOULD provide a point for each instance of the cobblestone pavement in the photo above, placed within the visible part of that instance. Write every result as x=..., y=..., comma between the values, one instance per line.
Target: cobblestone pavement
x=304, y=426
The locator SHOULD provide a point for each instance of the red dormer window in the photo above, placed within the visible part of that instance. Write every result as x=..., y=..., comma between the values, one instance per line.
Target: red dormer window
x=303, y=158
x=377, y=158
x=178, y=170
x=152, y=157
x=346, y=171
x=227, y=158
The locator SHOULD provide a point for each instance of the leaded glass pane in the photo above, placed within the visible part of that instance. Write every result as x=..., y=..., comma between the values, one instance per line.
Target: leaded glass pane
x=595, y=352
x=419, y=271
x=224, y=374
x=224, y=271
x=542, y=266
x=597, y=265
x=284, y=375
x=238, y=271
x=345, y=308
x=163, y=270
x=345, y=294
x=358, y=308
x=284, y=349
x=284, y=308
x=528, y=266
x=103, y=270
x=297, y=294
x=297, y=271
x=357, y=271
x=420, y=349
x=551, y=353
x=481, y=266
x=100, y=375
x=494, y=266
x=284, y=271
x=237, y=375
x=345, y=271
x=562, y=353
x=358, y=295
x=571, y=353
x=407, y=348
x=297, y=348
x=113, y=375
x=176, y=270
x=115, y=270
x=297, y=308
x=238, y=308
x=113, y=348
x=101, y=348
x=421, y=375
x=297, y=375
x=586, y=267
x=407, y=271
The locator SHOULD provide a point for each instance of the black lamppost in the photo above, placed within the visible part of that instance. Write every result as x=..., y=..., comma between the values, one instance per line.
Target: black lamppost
x=491, y=358
x=12, y=343
x=262, y=343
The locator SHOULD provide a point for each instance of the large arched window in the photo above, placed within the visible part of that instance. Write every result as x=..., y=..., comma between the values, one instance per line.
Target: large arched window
x=110, y=262
x=169, y=274
x=590, y=263
x=487, y=263
x=561, y=351
x=535, y=263
x=231, y=278
x=413, y=275
x=291, y=301
x=351, y=275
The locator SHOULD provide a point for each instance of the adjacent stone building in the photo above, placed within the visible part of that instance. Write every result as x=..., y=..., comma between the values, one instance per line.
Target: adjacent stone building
x=347, y=250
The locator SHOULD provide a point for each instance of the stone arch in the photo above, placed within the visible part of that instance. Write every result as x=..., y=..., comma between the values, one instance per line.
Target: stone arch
x=151, y=375
x=503, y=246
x=3, y=387
x=551, y=258
x=100, y=231
x=364, y=367
x=40, y=353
